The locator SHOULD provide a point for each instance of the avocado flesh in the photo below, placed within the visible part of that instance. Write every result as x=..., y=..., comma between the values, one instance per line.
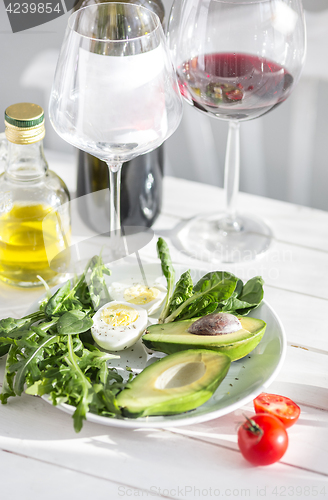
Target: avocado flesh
x=174, y=337
x=174, y=384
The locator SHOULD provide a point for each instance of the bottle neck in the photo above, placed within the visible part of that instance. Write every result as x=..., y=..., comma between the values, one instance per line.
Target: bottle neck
x=26, y=162
x=153, y=5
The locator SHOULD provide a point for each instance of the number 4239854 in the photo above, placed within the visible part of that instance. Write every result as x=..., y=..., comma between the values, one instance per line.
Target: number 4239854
x=297, y=491
x=34, y=8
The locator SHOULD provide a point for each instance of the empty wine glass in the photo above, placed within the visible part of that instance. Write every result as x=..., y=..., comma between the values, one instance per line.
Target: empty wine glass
x=115, y=93
x=235, y=60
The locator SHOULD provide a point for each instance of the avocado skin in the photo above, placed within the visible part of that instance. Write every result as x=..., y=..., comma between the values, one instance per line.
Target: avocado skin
x=235, y=345
x=234, y=351
x=141, y=398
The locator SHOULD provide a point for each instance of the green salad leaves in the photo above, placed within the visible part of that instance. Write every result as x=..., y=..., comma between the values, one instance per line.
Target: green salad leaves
x=163, y=253
x=51, y=351
x=217, y=291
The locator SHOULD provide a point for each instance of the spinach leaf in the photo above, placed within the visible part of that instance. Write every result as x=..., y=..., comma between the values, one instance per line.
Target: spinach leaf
x=73, y=322
x=245, y=297
x=252, y=294
x=163, y=253
x=216, y=286
x=183, y=290
x=4, y=348
x=203, y=306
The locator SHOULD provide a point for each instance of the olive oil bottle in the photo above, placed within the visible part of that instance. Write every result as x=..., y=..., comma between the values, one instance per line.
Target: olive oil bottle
x=142, y=177
x=34, y=204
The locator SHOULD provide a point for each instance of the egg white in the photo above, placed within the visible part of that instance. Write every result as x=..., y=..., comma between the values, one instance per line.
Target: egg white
x=128, y=293
x=117, y=338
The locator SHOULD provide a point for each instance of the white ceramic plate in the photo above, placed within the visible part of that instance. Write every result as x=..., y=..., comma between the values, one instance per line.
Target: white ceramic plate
x=246, y=379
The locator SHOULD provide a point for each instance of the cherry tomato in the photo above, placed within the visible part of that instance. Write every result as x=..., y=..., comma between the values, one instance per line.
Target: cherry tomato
x=262, y=439
x=281, y=407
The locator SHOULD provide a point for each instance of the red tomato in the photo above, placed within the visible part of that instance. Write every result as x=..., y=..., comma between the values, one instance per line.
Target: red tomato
x=281, y=407
x=262, y=439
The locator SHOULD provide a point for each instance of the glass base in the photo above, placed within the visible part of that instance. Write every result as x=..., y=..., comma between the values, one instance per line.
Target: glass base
x=219, y=238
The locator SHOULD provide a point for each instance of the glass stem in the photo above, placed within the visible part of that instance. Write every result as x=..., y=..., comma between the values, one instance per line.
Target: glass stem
x=115, y=198
x=231, y=176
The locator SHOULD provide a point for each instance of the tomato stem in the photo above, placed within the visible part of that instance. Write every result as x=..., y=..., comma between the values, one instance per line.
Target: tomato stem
x=251, y=426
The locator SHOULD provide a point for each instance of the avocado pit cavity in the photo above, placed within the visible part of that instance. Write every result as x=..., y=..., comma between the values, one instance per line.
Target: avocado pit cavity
x=181, y=375
x=215, y=324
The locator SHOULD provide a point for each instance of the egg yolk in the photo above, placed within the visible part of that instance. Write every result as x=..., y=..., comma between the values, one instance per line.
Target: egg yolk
x=119, y=315
x=140, y=294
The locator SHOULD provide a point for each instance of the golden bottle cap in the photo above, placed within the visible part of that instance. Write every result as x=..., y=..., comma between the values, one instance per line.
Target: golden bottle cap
x=24, y=123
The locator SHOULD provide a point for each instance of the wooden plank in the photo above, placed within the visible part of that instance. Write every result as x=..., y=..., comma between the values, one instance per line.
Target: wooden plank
x=154, y=461
x=290, y=223
x=308, y=438
x=30, y=478
x=304, y=317
x=285, y=267
x=304, y=378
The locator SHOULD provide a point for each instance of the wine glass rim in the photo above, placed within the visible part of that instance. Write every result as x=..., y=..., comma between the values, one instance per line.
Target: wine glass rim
x=104, y=40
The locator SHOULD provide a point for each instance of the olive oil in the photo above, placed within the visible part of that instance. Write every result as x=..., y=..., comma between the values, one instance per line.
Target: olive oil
x=34, y=204
x=30, y=237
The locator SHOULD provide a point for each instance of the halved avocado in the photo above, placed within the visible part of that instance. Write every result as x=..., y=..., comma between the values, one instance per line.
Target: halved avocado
x=176, y=383
x=173, y=337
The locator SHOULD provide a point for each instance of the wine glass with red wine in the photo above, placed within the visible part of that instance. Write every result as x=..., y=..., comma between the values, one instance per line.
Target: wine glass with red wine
x=235, y=60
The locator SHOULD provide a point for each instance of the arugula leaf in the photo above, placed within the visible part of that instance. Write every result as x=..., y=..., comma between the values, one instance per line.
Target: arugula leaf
x=163, y=253
x=86, y=387
x=55, y=302
x=8, y=325
x=11, y=328
x=8, y=382
x=97, y=288
x=30, y=363
x=47, y=355
x=109, y=384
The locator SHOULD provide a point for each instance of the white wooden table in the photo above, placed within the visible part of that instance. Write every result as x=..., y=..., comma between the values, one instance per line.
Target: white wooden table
x=42, y=457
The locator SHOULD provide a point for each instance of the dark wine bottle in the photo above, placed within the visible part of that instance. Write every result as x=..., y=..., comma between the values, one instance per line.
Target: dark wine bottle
x=142, y=177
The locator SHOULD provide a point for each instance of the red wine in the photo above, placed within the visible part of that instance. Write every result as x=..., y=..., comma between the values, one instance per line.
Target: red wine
x=234, y=86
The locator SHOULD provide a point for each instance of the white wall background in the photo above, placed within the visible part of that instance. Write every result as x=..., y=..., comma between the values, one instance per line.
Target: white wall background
x=284, y=154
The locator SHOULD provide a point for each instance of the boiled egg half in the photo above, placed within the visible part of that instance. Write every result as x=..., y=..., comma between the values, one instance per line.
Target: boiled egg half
x=118, y=325
x=149, y=298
